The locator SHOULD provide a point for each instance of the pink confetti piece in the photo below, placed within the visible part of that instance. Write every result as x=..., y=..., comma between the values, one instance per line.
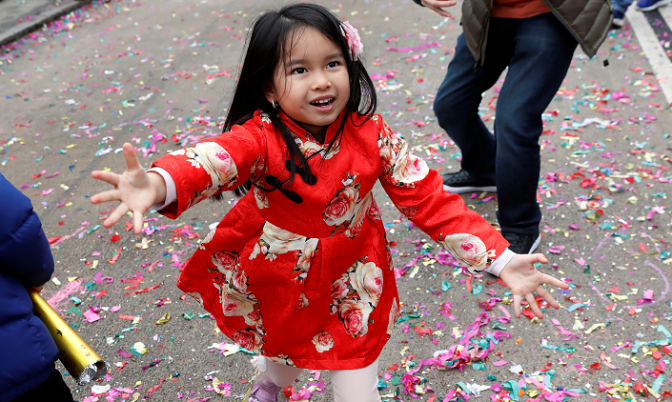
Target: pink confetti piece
x=91, y=316
x=125, y=354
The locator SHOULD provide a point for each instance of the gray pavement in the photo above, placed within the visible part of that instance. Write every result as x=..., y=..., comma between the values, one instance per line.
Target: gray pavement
x=18, y=18
x=156, y=73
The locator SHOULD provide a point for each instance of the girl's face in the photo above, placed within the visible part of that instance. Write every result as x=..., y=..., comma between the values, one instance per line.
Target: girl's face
x=312, y=85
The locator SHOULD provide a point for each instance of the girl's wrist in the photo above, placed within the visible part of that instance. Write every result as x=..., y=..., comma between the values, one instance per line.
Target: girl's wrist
x=159, y=186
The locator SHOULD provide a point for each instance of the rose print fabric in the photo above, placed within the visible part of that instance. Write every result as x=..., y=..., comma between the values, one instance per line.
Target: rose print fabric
x=311, y=284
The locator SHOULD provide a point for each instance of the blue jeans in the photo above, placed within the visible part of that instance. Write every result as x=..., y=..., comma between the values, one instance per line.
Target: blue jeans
x=537, y=52
x=620, y=5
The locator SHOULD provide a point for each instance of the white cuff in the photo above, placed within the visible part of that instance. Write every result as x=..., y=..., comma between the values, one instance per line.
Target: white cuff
x=171, y=190
x=498, y=265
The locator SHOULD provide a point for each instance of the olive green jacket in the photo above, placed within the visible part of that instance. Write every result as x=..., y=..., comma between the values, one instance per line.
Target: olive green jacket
x=588, y=21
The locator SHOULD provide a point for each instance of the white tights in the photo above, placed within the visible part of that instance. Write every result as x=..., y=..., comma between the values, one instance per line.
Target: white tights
x=360, y=385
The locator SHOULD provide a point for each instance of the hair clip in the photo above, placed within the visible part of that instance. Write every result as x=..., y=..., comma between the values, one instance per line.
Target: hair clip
x=352, y=38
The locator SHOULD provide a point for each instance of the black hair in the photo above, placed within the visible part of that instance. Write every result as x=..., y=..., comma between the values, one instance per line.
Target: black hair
x=268, y=44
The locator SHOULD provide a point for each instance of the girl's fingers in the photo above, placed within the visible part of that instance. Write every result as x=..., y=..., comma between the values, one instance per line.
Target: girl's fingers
x=105, y=196
x=554, y=282
x=547, y=296
x=137, y=222
x=516, y=305
x=538, y=257
x=116, y=215
x=533, y=305
x=131, y=158
x=109, y=177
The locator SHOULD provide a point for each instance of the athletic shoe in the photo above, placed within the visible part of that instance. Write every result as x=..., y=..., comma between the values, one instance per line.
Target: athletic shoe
x=461, y=182
x=264, y=391
x=648, y=5
x=522, y=243
x=619, y=19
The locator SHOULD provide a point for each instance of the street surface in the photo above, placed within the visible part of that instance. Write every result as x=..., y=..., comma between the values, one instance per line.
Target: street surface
x=160, y=74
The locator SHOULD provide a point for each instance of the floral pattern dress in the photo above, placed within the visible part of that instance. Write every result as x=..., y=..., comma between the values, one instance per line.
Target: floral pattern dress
x=311, y=284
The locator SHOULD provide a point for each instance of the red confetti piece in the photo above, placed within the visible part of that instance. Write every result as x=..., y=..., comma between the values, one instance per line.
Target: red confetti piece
x=142, y=290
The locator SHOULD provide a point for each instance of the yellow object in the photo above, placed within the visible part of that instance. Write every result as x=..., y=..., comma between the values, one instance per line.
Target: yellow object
x=79, y=359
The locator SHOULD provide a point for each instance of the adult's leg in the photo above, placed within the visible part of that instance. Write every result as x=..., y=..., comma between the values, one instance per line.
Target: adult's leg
x=620, y=5
x=360, y=385
x=458, y=98
x=543, y=50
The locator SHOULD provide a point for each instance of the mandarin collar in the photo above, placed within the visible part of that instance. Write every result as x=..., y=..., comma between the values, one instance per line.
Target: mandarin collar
x=295, y=128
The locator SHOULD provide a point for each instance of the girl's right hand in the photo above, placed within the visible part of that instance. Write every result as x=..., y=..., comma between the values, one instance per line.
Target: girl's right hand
x=136, y=189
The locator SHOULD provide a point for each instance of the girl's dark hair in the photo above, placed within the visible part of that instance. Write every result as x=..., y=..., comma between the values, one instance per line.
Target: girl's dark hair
x=268, y=46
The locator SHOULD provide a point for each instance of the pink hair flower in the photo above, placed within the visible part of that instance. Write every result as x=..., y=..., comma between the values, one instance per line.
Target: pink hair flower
x=352, y=38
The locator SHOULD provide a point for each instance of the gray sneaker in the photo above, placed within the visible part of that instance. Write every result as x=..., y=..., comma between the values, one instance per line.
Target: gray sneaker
x=461, y=182
x=522, y=243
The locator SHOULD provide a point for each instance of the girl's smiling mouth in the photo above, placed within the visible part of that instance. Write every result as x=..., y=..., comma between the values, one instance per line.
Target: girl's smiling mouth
x=324, y=103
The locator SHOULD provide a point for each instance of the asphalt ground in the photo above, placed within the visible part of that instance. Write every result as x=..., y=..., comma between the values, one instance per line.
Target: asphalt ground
x=159, y=73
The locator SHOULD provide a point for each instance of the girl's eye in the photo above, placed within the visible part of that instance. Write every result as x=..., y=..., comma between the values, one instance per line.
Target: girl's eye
x=333, y=64
x=299, y=70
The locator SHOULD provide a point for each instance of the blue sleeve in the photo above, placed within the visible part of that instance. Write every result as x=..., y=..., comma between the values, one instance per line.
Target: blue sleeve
x=24, y=248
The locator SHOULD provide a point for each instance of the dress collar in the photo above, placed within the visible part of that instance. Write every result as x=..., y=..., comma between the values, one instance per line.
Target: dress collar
x=299, y=131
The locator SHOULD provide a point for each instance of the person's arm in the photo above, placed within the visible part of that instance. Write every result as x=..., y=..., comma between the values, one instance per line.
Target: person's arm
x=214, y=165
x=24, y=248
x=437, y=6
x=417, y=192
x=195, y=173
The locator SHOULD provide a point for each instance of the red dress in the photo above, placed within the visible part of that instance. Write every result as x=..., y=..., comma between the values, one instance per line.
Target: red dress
x=311, y=284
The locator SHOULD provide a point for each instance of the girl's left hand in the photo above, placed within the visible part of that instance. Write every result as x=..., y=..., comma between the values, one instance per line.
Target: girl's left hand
x=521, y=276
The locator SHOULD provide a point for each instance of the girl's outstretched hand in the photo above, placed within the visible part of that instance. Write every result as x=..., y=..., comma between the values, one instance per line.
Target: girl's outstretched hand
x=136, y=189
x=522, y=278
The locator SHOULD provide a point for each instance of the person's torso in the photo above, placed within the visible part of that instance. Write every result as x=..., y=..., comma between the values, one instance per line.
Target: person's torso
x=518, y=8
x=345, y=177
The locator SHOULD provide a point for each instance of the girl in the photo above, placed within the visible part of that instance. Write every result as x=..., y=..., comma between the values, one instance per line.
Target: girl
x=299, y=271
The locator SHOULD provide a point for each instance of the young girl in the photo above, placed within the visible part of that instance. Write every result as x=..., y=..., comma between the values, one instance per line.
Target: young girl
x=299, y=271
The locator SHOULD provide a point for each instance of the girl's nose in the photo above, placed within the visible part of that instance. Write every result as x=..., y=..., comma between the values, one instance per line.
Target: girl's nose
x=321, y=83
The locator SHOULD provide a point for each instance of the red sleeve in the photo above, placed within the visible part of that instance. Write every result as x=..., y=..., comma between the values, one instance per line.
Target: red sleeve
x=417, y=192
x=215, y=165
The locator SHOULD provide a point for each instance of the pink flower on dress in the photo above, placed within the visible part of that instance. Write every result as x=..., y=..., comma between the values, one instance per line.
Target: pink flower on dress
x=352, y=37
x=386, y=157
x=367, y=280
x=216, y=161
x=253, y=318
x=239, y=281
x=467, y=248
x=260, y=198
x=409, y=212
x=355, y=317
x=357, y=222
x=341, y=208
x=408, y=168
x=307, y=254
x=248, y=339
x=235, y=304
x=225, y=261
x=339, y=288
x=303, y=302
x=323, y=341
